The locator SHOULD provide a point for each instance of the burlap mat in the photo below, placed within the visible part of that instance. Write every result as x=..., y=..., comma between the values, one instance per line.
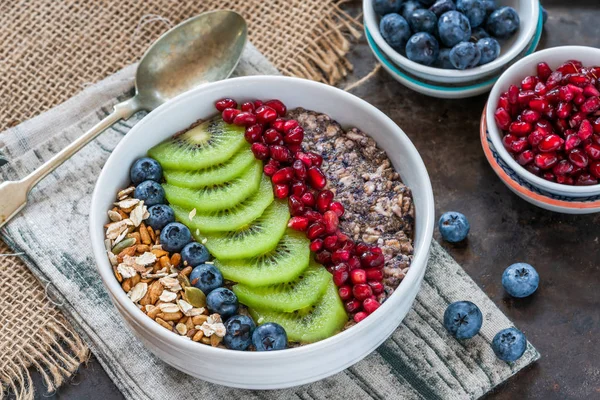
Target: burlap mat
x=51, y=49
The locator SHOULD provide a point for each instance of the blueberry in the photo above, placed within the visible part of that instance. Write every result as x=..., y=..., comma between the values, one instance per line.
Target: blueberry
x=443, y=60
x=544, y=15
x=520, y=280
x=463, y=319
x=174, y=236
x=422, y=48
x=423, y=21
x=239, y=332
x=503, y=22
x=145, y=169
x=427, y=3
x=395, y=31
x=454, y=226
x=269, y=336
x=160, y=216
x=151, y=192
x=194, y=254
x=442, y=6
x=509, y=344
x=206, y=277
x=490, y=6
x=474, y=10
x=489, y=49
x=465, y=55
x=479, y=33
x=453, y=28
x=222, y=301
x=408, y=7
x=384, y=7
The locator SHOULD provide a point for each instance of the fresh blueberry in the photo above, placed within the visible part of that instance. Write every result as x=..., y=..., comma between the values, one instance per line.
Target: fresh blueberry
x=422, y=48
x=427, y=3
x=465, y=55
x=503, y=22
x=194, y=254
x=222, y=301
x=206, y=277
x=474, y=10
x=145, y=169
x=160, y=216
x=395, y=31
x=239, y=332
x=443, y=60
x=384, y=7
x=489, y=49
x=454, y=226
x=544, y=15
x=423, y=21
x=509, y=344
x=408, y=7
x=269, y=336
x=453, y=28
x=151, y=192
x=489, y=5
x=520, y=280
x=479, y=33
x=174, y=237
x=463, y=319
x=442, y=6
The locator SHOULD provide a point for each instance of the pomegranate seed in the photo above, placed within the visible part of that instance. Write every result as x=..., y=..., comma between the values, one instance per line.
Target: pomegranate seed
x=549, y=176
x=502, y=118
x=578, y=158
x=576, y=119
x=561, y=125
x=503, y=103
x=530, y=116
x=370, y=305
x=374, y=274
x=324, y=199
x=534, y=137
x=579, y=99
x=331, y=221
x=359, y=316
x=586, y=130
x=354, y=263
x=529, y=82
x=289, y=124
x=271, y=167
x=340, y=277
x=545, y=160
x=278, y=124
x=317, y=229
x=260, y=150
x=281, y=190
x=345, y=292
x=330, y=242
x=595, y=169
x=593, y=150
x=229, y=114
x=272, y=136
x=376, y=250
x=294, y=148
x=596, y=139
x=565, y=94
x=299, y=224
x=294, y=136
x=284, y=175
x=278, y=106
x=348, y=245
x=564, y=110
x=257, y=103
x=570, y=67
x=543, y=71
x=540, y=105
x=316, y=244
x=512, y=94
x=313, y=216
x=591, y=105
x=296, y=206
x=550, y=143
x=553, y=96
x=540, y=89
x=562, y=168
x=337, y=208
x=253, y=133
x=362, y=291
x=525, y=157
x=247, y=107
x=358, y=276
x=554, y=79
x=315, y=159
x=564, y=179
x=572, y=142
x=352, y=306
x=340, y=256
x=265, y=114
x=323, y=257
x=371, y=259
x=361, y=248
x=222, y=104
x=525, y=97
x=306, y=160
x=534, y=169
x=590, y=91
x=520, y=128
x=244, y=119
x=579, y=80
x=299, y=169
x=280, y=153
x=298, y=189
x=519, y=145
x=308, y=199
x=316, y=179
x=584, y=180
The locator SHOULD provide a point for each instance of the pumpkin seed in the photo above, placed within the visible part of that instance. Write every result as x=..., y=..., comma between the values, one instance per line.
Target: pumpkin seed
x=122, y=245
x=184, y=282
x=195, y=296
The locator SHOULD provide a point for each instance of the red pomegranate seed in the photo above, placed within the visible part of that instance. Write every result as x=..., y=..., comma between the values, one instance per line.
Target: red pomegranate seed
x=299, y=169
x=519, y=128
x=353, y=263
x=564, y=110
x=284, y=175
x=257, y=103
x=345, y=292
x=330, y=242
x=596, y=139
x=540, y=105
x=323, y=257
x=534, y=137
x=572, y=142
x=340, y=256
x=313, y=216
x=591, y=105
x=519, y=145
x=530, y=116
x=247, y=106
x=298, y=189
x=271, y=167
x=222, y=104
x=562, y=168
x=570, y=67
x=317, y=229
x=540, y=89
x=525, y=97
x=590, y=91
x=278, y=106
x=554, y=79
x=253, y=133
x=595, y=169
x=502, y=118
x=337, y=208
x=331, y=221
x=586, y=180
x=304, y=158
x=359, y=316
x=374, y=274
x=549, y=176
x=316, y=244
x=503, y=103
x=265, y=114
x=289, y=125
x=280, y=153
x=529, y=82
x=324, y=199
x=564, y=179
x=576, y=119
x=278, y=124
x=371, y=259
x=362, y=291
x=244, y=119
x=561, y=125
x=525, y=157
x=593, y=151
x=513, y=94
x=565, y=94
x=316, y=179
x=550, y=143
x=340, y=277
x=586, y=130
x=545, y=160
x=298, y=224
x=579, y=99
x=308, y=199
x=579, y=80
x=229, y=114
x=260, y=150
x=272, y=136
x=361, y=248
x=352, y=306
x=578, y=158
x=315, y=159
x=281, y=190
x=543, y=71
x=294, y=148
x=370, y=305
x=358, y=276
x=296, y=206
x=553, y=95
x=294, y=136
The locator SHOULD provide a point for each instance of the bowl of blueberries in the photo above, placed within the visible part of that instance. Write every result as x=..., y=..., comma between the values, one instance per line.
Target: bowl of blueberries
x=455, y=46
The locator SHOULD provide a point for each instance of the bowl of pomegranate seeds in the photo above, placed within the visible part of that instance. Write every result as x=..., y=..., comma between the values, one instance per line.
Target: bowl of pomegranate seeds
x=543, y=118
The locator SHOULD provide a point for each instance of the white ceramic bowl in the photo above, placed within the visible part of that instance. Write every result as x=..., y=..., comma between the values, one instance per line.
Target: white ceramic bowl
x=529, y=14
x=290, y=367
x=514, y=75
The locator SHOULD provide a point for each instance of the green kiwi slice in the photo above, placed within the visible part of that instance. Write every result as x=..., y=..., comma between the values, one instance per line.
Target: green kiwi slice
x=209, y=143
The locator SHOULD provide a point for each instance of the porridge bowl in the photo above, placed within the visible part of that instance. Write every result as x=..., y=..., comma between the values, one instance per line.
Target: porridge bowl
x=291, y=366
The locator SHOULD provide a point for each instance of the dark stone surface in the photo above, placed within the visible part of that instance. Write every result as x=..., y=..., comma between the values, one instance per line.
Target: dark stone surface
x=563, y=318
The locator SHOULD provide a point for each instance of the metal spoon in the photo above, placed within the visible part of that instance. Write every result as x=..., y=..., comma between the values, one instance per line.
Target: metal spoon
x=202, y=49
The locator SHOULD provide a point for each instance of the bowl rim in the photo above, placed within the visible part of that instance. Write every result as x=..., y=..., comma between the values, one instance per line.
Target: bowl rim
x=530, y=27
x=570, y=53
x=413, y=277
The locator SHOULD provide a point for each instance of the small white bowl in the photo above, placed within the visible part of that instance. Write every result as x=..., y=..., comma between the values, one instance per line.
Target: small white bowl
x=529, y=14
x=555, y=57
x=290, y=367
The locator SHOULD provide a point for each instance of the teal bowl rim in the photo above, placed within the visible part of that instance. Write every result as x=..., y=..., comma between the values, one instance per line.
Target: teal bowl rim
x=384, y=60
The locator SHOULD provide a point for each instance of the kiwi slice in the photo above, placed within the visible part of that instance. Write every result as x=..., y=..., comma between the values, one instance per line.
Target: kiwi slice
x=217, y=197
x=214, y=175
x=317, y=322
x=288, y=296
x=210, y=143
x=259, y=237
x=230, y=219
x=285, y=263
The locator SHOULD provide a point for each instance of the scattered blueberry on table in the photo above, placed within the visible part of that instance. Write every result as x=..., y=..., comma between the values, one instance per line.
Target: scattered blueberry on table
x=174, y=237
x=144, y=169
x=239, y=332
x=520, y=280
x=151, y=192
x=454, y=227
x=160, y=216
x=509, y=344
x=269, y=336
x=463, y=319
x=222, y=301
x=206, y=277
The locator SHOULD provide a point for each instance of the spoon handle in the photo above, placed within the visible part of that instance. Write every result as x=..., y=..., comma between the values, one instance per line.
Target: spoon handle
x=13, y=194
